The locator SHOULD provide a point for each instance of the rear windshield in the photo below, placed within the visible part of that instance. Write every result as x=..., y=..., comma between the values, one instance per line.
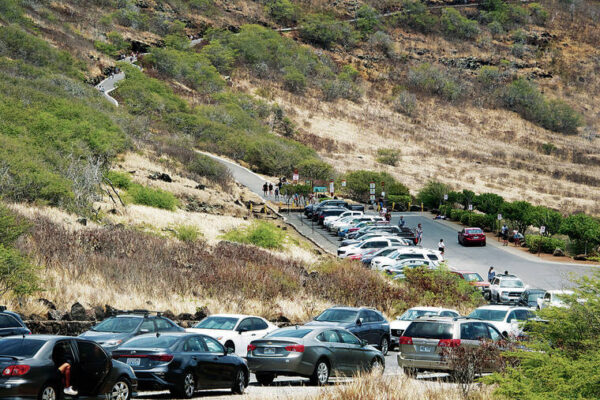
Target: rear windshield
x=475, y=231
x=472, y=277
x=291, y=333
x=334, y=212
x=19, y=347
x=118, y=325
x=489, y=315
x=337, y=315
x=429, y=330
x=151, y=342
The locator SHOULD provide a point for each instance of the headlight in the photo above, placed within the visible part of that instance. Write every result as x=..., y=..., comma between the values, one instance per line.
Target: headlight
x=503, y=294
x=112, y=343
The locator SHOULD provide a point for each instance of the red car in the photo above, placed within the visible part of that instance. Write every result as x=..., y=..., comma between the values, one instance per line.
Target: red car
x=471, y=236
x=474, y=279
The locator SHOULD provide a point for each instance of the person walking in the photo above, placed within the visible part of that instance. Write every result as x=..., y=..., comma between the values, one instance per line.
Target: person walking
x=441, y=246
x=516, y=238
x=388, y=216
x=491, y=274
x=419, y=234
x=265, y=189
x=270, y=189
x=276, y=193
x=402, y=222
x=504, y=234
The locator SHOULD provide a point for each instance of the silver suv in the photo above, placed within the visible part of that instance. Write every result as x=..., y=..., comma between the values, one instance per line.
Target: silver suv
x=506, y=289
x=423, y=341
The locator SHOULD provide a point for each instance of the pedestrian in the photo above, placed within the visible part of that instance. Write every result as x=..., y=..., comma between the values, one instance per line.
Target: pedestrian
x=517, y=238
x=388, y=216
x=270, y=189
x=419, y=234
x=441, y=246
x=504, y=233
x=491, y=274
x=64, y=358
x=401, y=222
x=277, y=193
x=506, y=272
x=265, y=189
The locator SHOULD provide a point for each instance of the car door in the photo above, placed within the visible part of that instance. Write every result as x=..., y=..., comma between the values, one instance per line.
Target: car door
x=355, y=357
x=335, y=349
x=221, y=366
x=260, y=328
x=246, y=333
x=193, y=351
x=92, y=367
x=360, y=329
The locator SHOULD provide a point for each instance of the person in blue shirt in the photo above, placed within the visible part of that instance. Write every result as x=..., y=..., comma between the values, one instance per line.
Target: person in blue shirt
x=491, y=274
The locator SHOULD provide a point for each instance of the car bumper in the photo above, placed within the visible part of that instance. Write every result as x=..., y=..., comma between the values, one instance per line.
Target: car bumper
x=431, y=365
x=148, y=380
x=291, y=365
x=479, y=240
x=19, y=389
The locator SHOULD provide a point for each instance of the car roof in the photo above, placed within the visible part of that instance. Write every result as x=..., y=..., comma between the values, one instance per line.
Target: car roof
x=425, y=308
x=464, y=271
x=352, y=308
x=233, y=316
x=499, y=307
x=557, y=291
x=509, y=276
x=175, y=333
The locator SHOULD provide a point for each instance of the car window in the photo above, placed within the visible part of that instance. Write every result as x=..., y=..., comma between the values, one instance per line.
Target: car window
x=348, y=338
x=372, y=316
x=245, y=325
x=8, y=321
x=433, y=256
x=448, y=314
x=222, y=323
x=289, y=332
x=258, y=324
x=118, y=325
x=212, y=345
x=337, y=315
x=494, y=334
x=17, y=347
x=149, y=325
x=90, y=351
x=429, y=330
x=522, y=315
x=163, y=324
x=407, y=256
x=151, y=341
x=512, y=316
x=474, y=331
x=194, y=344
x=329, y=337
x=547, y=296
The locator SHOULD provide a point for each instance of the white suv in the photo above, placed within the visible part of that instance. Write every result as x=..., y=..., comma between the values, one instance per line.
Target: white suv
x=363, y=247
x=506, y=289
x=506, y=319
x=406, y=253
x=328, y=221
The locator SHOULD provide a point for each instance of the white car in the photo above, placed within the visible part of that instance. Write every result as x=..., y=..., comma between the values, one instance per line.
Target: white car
x=234, y=330
x=506, y=319
x=406, y=253
x=363, y=247
x=399, y=325
x=553, y=298
x=506, y=289
x=346, y=214
x=356, y=221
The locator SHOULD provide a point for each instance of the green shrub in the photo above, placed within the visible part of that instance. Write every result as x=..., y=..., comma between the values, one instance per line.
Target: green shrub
x=388, y=156
x=283, y=11
x=488, y=203
x=545, y=243
x=538, y=13
x=294, y=81
x=315, y=169
x=383, y=42
x=221, y=56
x=325, y=31
x=357, y=184
x=187, y=233
x=490, y=77
x=455, y=26
x=432, y=194
x=146, y=196
x=367, y=19
x=405, y=103
x=548, y=148
x=260, y=233
x=121, y=180
x=17, y=275
x=416, y=16
x=210, y=169
x=12, y=226
x=301, y=190
x=518, y=50
x=115, y=45
x=495, y=27
x=432, y=80
x=465, y=218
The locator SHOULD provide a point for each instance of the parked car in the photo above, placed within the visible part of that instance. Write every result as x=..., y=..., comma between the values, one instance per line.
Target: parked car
x=529, y=297
x=366, y=323
x=505, y=318
x=182, y=363
x=234, y=331
x=369, y=255
x=389, y=229
x=553, y=298
x=29, y=365
x=335, y=224
x=399, y=325
x=315, y=352
x=474, y=279
x=371, y=235
x=404, y=253
x=421, y=347
x=346, y=214
x=312, y=209
x=362, y=247
x=11, y=324
x=397, y=271
x=471, y=236
x=320, y=215
x=359, y=223
x=114, y=331
x=506, y=289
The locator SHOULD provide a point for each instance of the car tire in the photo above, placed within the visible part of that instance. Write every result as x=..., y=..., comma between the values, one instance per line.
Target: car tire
x=239, y=382
x=230, y=345
x=186, y=386
x=264, y=379
x=482, y=244
x=121, y=390
x=384, y=345
x=320, y=375
x=49, y=392
x=376, y=366
x=410, y=372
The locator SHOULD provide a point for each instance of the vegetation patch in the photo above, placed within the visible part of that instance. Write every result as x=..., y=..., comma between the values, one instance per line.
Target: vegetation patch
x=260, y=233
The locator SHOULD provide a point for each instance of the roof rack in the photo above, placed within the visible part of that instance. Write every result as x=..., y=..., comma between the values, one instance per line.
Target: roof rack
x=144, y=312
x=466, y=317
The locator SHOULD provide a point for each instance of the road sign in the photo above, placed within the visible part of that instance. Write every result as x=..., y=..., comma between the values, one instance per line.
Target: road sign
x=372, y=185
x=542, y=229
x=372, y=197
x=296, y=176
x=382, y=194
x=331, y=187
x=445, y=197
x=470, y=207
x=499, y=217
x=343, y=183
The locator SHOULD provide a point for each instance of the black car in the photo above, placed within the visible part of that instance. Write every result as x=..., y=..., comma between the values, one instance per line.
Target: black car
x=11, y=324
x=183, y=363
x=29, y=365
x=529, y=297
x=327, y=212
x=366, y=323
x=116, y=330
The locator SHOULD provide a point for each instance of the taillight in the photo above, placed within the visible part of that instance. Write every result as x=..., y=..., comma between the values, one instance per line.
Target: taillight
x=298, y=348
x=251, y=347
x=405, y=340
x=449, y=343
x=16, y=370
x=161, y=357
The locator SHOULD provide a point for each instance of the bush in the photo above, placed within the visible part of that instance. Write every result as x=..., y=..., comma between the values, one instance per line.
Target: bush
x=388, y=156
x=383, y=42
x=367, y=19
x=432, y=80
x=221, y=56
x=315, y=169
x=283, y=11
x=490, y=77
x=416, y=16
x=146, y=196
x=294, y=81
x=545, y=243
x=357, y=184
x=455, y=26
x=325, y=31
x=260, y=233
x=488, y=203
x=210, y=169
x=538, y=13
x=121, y=180
x=405, y=103
x=187, y=233
x=12, y=226
x=17, y=275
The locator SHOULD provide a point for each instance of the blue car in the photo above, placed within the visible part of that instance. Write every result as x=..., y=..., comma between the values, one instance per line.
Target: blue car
x=11, y=324
x=366, y=323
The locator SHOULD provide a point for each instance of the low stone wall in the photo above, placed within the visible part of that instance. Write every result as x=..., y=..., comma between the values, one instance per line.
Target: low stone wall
x=74, y=328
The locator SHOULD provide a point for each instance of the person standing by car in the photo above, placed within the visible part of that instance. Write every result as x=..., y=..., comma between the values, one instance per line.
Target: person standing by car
x=419, y=234
x=64, y=359
x=441, y=246
x=491, y=274
x=516, y=238
x=401, y=222
x=504, y=234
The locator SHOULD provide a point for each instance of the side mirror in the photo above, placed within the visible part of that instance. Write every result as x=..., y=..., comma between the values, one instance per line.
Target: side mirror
x=359, y=321
x=228, y=350
x=142, y=331
x=242, y=330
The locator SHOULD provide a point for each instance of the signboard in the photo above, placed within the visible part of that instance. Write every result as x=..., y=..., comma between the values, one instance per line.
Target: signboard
x=499, y=217
x=372, y=197
x=295, y=177
x=331, y=187
x=320, y=189
x=382, y=194
x=470, y=207
x=542, y=229
x=445, y=197
x=372, y=185
x=343, y=183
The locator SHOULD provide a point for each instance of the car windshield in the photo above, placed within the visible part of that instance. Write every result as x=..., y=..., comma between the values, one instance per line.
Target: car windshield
x=488, y=315
x=474, y=231
x=472, y=277
x=511, y=283
x=20, y=347
x=533, y=296
x=290, y=332
x=337, y=315
x=223, y=323
x=429, y=330
x=410, y=315
x=118, y=325
x=151, y=342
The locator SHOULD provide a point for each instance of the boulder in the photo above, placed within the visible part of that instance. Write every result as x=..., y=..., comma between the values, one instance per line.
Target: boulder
x=160, y=176
x=57, y=315
x=558, y=252
x=78, y=312
x=99, y=313
x=201, y=313
x=47, y=303
x=169, y=314
x=580, y=257
x=281, y=321
x=185, y=317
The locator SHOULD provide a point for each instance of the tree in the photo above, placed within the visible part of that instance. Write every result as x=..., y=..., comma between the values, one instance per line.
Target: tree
x=488, y=203
x=432, y=194
x=315, y=169
x=11, y=226
x=519, y=213
x=17, y=275
x=582, y=228
x=357, y=184
x=467, y=198
x=551, y=219
x=367, y=19
x=284, y=12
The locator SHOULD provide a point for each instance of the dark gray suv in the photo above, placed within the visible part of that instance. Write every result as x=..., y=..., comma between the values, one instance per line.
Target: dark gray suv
x=11, y=323
x=366, y=323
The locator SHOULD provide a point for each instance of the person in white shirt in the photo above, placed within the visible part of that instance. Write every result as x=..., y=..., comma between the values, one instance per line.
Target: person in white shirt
x=441, y=246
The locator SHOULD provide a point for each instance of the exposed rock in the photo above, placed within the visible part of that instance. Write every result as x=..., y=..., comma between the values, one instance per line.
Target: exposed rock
x=200, y=187
x=169, y=314
x=99, y=313
x=56, y=315
x=82, y=221
x=36, y=317
x=558, y=252
x=47, y=303
x=201, y=313
x=78, y=312
x=281, y=321
x=160, y=176
x=464, y=62
x=580, y=257
x=185, y=317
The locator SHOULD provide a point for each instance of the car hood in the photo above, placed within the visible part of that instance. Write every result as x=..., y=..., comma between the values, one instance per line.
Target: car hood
x=101, y=337
x=481, y=284
x=397, y=324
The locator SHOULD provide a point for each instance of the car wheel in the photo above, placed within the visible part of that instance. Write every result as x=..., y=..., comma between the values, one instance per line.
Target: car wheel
x=482, y=244
x=48, y=392
x=230, y=345
x=186, y=386
x=121, y=390
x=264, y=379
x=320, y=375
x=377, y=366
x=384, y=345
x=409, y=372
x=239, y=383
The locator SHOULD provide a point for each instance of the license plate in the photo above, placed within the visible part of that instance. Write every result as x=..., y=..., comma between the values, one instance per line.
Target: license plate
x=269, y=350
x=134, y=362
x=426, y=349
